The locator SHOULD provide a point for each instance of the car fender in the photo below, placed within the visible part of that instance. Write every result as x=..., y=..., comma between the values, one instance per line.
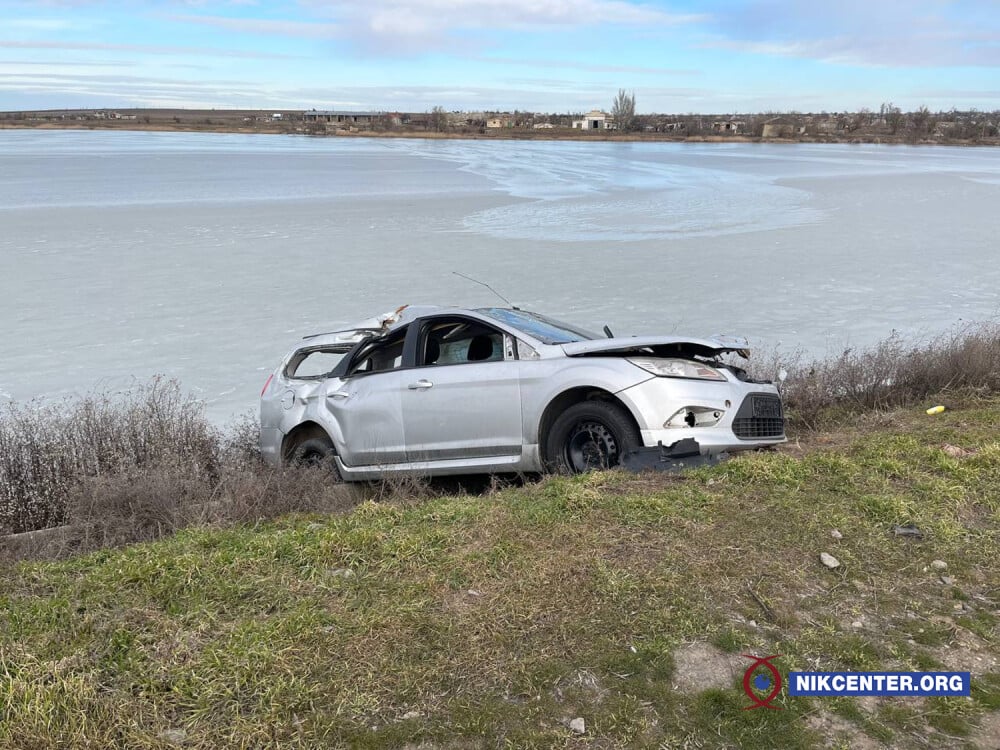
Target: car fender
x=543, y=381
x=309, y=405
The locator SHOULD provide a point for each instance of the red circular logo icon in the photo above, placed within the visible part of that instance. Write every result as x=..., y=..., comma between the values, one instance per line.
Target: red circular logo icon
x=762, y=682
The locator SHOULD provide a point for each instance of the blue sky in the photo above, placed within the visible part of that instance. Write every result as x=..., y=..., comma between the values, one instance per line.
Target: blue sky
x=543, y=55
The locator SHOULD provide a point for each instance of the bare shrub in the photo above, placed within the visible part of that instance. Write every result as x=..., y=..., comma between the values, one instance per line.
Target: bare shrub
x=46, y=449
x=241, y=442
x=889, y=374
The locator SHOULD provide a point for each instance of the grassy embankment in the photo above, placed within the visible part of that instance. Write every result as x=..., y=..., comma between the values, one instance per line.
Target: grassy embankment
x=495, y=620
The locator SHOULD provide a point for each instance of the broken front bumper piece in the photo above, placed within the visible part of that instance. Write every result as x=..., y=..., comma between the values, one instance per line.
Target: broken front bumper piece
x=679, y=456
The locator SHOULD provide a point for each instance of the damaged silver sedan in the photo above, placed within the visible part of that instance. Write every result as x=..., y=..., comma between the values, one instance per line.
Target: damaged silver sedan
x=437, y=390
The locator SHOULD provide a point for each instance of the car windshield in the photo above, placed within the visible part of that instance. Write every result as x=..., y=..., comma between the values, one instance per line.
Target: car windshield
x=537, y=326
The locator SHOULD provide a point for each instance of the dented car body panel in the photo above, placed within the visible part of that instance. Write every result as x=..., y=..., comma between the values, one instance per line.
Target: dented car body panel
x=438, y=390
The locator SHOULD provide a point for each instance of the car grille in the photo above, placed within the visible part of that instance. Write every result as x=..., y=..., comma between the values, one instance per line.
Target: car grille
x=760, y=416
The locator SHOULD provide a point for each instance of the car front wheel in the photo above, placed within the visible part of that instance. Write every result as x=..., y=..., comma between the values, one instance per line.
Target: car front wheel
x=590, y=436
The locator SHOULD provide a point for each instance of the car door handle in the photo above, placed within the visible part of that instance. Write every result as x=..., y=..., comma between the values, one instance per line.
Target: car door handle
x=340, y=395
x=420, y=385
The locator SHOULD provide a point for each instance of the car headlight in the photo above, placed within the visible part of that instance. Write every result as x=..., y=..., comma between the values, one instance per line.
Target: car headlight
x=677, y=368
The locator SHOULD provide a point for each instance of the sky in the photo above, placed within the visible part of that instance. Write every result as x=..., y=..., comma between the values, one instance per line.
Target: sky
x=716, y=56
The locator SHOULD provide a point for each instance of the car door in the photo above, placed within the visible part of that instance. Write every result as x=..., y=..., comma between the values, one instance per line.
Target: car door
x=463, y=398
x=364, y=400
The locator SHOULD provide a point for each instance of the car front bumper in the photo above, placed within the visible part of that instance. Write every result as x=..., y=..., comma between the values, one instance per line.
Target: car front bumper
x=751, y=414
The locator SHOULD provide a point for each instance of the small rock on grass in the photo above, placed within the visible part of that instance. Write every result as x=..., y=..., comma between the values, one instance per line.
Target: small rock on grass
x=836, y=534
x=411, y=715
x=939, y=565
x=955, y=451
x=829, y=560
x=342, y=573
x=948, y=580
x=578, y=725
x=173, y=736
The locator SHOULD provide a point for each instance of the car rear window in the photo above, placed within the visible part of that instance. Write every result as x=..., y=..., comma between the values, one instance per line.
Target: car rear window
x=315, y=363
x=543, y=329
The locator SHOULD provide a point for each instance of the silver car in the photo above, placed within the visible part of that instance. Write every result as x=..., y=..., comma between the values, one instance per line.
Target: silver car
x=441, y=390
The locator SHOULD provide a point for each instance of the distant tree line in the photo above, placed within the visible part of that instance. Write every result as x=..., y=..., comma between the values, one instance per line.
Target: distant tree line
x=886, y=122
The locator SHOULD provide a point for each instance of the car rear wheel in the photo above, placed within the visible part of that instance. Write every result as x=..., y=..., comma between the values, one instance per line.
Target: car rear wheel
x=590, y=436
x=316, y=453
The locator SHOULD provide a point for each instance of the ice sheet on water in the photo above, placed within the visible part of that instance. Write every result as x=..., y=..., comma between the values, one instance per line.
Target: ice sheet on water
x=228, y=249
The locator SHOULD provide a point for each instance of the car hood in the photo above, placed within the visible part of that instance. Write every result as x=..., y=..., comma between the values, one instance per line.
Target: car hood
x=660, y=346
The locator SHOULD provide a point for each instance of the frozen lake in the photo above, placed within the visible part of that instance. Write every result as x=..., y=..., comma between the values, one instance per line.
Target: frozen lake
x=206, y=256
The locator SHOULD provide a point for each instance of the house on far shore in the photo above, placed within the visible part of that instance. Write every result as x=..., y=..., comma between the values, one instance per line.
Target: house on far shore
x=595, y=120
x=732, y=127
x=499, y=122
x=343, y=117
x=102, y=114
x=781, y=127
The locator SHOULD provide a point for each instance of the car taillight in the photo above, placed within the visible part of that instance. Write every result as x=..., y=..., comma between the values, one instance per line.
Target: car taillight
x=264, y=389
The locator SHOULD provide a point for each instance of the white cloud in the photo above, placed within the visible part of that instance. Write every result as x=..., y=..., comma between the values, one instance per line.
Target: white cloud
x=303, y=29
x=416, y=25
x=887, y=33
x=39, y=24
x=148, y=49
x=586, y=67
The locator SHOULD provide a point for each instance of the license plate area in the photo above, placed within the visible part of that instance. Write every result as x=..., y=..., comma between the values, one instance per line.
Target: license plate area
x=766, y=408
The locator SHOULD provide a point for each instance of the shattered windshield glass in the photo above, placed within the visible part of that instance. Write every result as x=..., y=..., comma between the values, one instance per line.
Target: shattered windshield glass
x=539, y=327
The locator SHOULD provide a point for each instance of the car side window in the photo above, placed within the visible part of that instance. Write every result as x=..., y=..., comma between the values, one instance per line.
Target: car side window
x=454, y=342
x=524, y=351
x=380, y=355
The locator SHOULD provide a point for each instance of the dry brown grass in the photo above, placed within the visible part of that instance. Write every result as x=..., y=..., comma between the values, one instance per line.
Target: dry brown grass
x=137, y=465
x=48, y=449
x=964, y=362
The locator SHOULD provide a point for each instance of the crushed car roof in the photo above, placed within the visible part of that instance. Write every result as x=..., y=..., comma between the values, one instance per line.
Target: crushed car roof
x=658, y=345
x=378, y=324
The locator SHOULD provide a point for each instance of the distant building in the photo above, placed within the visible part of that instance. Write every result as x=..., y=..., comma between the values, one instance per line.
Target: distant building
x=829, y=125
x=731, y=127
x=595, y=120
x=499, y=122
x=543, y=126
x=343, y=117
x=780, y=127
x=102, y=114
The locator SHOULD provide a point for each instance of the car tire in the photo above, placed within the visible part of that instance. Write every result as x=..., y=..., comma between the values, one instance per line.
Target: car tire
x=590, y=436
x=316, y=453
